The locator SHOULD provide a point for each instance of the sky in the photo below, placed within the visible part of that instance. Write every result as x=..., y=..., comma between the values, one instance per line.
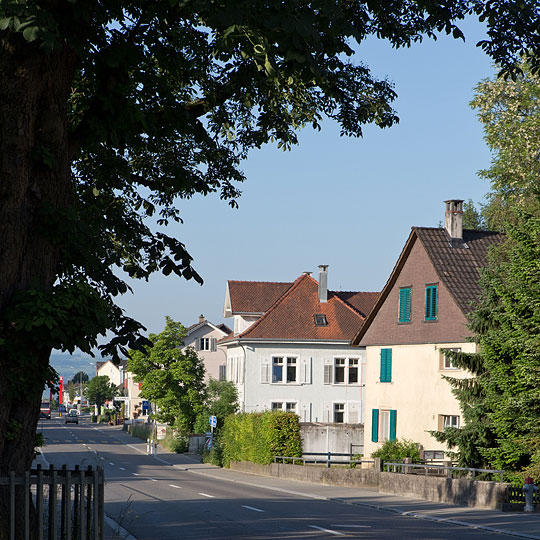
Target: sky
x=345, y=202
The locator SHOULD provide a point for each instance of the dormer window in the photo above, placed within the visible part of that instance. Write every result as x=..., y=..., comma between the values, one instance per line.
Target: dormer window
x=320, y=319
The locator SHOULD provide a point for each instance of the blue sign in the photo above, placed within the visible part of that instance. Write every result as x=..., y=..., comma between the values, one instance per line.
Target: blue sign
x=213, y=421
x=145, y=405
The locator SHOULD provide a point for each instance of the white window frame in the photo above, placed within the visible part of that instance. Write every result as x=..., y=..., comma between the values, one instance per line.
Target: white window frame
x=384, y=425
x=205, y=344
x=286, y=362
x=446, y=362
x=349, y=363
x=339, y=407
x=284, y=405
x=450, y=420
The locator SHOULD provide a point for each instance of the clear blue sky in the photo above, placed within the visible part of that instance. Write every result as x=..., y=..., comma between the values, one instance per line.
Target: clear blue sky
x=348, y=203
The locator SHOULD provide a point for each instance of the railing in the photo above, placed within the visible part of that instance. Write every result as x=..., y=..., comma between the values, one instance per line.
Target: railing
x=428, y=468
x=327, y=459
x=515, y=497
x=56, y=503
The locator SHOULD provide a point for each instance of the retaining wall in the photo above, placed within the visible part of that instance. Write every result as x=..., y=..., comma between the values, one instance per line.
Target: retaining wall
x=459, y=491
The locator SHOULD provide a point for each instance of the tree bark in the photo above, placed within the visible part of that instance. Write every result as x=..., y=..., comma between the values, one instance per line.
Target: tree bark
x=34, y=175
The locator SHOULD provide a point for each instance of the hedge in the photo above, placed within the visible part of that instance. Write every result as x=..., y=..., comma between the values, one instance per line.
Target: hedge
x=258, y=437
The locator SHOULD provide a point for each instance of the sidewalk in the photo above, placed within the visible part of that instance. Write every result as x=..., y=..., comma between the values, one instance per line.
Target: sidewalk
x=517, y=524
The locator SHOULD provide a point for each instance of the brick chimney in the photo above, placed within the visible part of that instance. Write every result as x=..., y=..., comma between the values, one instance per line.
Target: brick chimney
x=201, y=318
x=323, y=283
x=453, y=221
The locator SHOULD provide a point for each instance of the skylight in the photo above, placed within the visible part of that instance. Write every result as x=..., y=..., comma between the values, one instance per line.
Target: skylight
x=320, y=319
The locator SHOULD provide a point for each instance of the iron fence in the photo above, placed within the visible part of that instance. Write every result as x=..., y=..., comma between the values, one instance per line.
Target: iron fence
x=430, y=468
x=52, y=504
x=316, y=458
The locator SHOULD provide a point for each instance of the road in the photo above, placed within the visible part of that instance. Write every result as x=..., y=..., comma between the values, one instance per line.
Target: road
x=153, y=500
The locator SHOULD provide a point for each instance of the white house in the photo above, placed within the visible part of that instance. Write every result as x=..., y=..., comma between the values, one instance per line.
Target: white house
x=203, y=337
x=290, y=348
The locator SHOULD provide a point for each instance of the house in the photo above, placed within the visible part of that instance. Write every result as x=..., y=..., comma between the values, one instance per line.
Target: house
x=203, y=337
x=111, y=370
x=420, y=314
x=290, y=349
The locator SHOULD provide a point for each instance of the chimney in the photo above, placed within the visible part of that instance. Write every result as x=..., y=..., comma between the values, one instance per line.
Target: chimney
x=453, y=221
x=201, y=318
x=323, y=283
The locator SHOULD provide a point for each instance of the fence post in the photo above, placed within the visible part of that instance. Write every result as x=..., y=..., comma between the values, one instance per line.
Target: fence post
x=12, y=505
x=328, y=460
x=53, y=488
x=26, y=488
x=39, y=501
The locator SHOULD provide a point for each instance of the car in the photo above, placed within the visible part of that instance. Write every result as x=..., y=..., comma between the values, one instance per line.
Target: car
x=72, y=417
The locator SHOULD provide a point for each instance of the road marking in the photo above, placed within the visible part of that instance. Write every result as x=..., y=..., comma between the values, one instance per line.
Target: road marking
x=251, y=508
x=122, y=468
x=135, y=474
x=351, y=526
x=111, y=463
x=153, y=479
x=327, y=530
x=206, y=495
x=177, y=487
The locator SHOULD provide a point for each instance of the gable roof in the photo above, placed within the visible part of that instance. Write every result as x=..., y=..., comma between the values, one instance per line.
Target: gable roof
x=254, y=296
x=221, y=327
x=292, y=314
x=458, y=268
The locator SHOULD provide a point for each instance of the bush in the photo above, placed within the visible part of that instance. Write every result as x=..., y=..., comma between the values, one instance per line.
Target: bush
x=395, y=451
x=141, y=430
x=258, y=437
x=175, y=441
x=214, y=455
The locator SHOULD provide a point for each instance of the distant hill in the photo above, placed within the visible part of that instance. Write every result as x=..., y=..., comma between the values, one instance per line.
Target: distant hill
x=68, y=364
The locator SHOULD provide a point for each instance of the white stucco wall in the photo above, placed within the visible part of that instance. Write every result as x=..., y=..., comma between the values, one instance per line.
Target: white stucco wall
x=212, y=359
x=417, y=391
x=313, y=398
x=111, y=371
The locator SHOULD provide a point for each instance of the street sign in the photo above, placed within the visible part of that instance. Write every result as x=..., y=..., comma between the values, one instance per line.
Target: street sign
x=145, y=405
x=213, y=421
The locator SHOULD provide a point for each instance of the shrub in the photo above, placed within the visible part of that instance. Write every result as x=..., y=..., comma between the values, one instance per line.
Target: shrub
x=214, y=455
x=258, y=437
x=395, y=451
x=175, y=441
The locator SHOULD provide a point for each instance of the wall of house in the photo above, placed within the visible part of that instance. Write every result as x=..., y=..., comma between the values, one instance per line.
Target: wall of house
x=212, y=359
x=111, y=371
x=417, y=272
x=250, y=367
x=133, y=403
x=339, y=438
x=417, y=391
x=243, y=322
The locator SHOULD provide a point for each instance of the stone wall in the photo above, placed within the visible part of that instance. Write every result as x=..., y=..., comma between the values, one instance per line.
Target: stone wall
x=339, y=438
x=462, y=491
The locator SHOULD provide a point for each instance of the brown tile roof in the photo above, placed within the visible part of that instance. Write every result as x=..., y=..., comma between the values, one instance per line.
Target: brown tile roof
x=459, y=268
x=361, y=301
x=255, y=296
x=291, y=316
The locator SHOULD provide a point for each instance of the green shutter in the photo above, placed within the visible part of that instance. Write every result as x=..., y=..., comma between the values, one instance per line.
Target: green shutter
x=374, y=425
x=431, y=303
x=405, y=305
x=393, y=422
x=386, y=365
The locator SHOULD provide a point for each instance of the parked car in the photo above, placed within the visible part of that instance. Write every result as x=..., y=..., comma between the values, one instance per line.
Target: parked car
x=72, y=417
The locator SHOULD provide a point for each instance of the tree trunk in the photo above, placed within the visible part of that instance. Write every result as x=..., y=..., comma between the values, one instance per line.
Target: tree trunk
x=34, y=175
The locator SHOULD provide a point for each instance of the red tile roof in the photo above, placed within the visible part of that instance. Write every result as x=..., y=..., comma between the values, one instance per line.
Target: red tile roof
x=254, y=296
x=292, y=314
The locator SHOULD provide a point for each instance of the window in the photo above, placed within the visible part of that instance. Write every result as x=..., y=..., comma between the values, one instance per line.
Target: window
x=222, y=372
x=383, y=425
x=386, y=365
x=446, y=361
x=346, y=371
x=404, y=305
x=431, y=303
x=339, y=413
x=290, y=406
x=448, y=421
x=204, y=344
x=320, y=319
x=283, y=369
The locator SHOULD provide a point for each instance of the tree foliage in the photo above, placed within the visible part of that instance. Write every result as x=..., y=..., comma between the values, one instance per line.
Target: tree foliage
x=510, y=114
x=99, y=390
x=221, y=400
x=172, y=377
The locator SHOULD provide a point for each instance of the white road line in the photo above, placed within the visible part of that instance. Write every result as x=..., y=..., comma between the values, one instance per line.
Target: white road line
x=206, y=495
x=351, y=526
x=177, y=487
x=327, y=530
x=135, y=474
x=153, y=479
x=111, y=463
x=251, y=508
x=122, y=468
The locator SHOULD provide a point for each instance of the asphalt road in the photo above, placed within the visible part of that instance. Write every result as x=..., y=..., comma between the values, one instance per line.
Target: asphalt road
x=155, y=501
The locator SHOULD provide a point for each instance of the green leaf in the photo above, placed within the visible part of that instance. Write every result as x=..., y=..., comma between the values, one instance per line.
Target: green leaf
x=31, y=33
x=4, y=23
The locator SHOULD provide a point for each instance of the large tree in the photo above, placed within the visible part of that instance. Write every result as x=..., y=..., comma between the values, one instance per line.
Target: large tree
x=172, y=377
x=111, y=110
x=99, y=390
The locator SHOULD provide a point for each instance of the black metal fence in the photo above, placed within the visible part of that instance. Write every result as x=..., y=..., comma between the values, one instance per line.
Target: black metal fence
x=326, y=458
x=52, y=504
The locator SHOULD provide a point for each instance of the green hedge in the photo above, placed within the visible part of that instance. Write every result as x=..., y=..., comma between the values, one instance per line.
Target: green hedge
x=258, y=437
